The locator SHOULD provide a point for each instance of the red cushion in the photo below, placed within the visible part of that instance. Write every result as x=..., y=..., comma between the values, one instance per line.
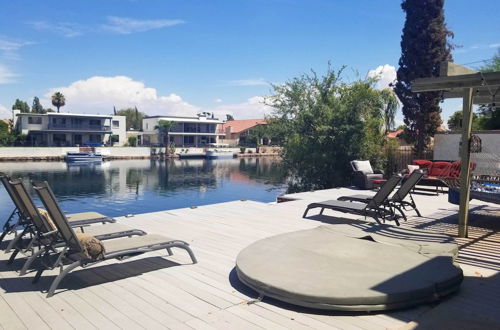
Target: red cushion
x=422, y=163
x=456, y=166
x=439, y=169
x=455, y=169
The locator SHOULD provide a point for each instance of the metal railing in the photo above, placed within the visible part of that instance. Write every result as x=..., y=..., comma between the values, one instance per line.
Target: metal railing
x=79, y=127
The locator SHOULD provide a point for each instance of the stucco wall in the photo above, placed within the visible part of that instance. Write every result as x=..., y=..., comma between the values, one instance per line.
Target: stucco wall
x=59, y=152
x=446, y=147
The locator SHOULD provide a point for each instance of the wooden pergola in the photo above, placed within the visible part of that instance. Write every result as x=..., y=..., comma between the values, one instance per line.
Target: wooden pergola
x=474, y=88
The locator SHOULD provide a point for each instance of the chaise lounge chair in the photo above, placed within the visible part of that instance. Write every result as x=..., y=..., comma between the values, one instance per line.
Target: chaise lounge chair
x=376, y=208
x=37, y=227
x=396, y=201
x=11, y=226
x=72, y=254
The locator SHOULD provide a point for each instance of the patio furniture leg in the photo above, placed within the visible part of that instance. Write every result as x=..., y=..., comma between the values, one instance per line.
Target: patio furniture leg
x=30, y=260
x=38, y=274
x=16, y=239
x=13, y=256
x=60, y=277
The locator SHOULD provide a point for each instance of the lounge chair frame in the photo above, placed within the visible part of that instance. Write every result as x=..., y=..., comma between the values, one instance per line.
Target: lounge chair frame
x=396, y=201
x=25, y=220
x=72, y=253
x=39, y=229
x=376, y=208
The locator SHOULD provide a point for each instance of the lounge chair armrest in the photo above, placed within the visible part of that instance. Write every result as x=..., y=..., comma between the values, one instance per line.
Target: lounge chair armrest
x=49, y=233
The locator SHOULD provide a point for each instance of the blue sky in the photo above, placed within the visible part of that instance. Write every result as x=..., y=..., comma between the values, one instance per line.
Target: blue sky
x=180, y=57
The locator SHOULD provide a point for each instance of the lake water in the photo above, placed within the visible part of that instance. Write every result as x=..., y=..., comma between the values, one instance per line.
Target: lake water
x=121, y=187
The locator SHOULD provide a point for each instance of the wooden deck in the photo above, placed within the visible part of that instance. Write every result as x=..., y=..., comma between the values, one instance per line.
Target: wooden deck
x=155, y=291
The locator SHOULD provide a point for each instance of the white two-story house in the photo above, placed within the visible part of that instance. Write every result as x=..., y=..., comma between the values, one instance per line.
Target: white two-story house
x=69, y=129
x=197, y=131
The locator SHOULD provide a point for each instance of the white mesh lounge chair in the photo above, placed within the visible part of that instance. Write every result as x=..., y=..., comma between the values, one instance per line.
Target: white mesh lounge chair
x=376, y=208
x=72, y=254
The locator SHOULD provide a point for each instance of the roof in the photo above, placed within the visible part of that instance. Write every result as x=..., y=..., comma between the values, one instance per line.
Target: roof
x=64, y=114
x=186, y=119
x=393, y=135
x=238, y=126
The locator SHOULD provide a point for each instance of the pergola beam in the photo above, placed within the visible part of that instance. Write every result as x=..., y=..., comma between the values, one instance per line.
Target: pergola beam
x=473, y=87
x=464, y=81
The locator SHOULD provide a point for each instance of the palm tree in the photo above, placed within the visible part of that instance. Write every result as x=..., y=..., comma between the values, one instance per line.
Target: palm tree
x=164, y=127
x=390, y=105
x=58, y=100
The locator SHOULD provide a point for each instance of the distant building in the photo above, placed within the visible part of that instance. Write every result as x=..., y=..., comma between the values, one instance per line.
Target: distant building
x=236, y=132
x=69, y=129
x=197, y=131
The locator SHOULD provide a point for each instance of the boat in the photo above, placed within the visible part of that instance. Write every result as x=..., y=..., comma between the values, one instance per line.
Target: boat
x=86, y=154
x=217, y=153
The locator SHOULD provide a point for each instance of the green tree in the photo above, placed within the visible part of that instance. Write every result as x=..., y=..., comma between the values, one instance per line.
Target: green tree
x=259, y=132
x=37, y=106
x=133, y=118
x=229, y=117
x=325, y=123
x=132, y=141
x=58, y=100
x=6, y=137
x=164, y=127
x=455, y=121
x=493, y=64
x=424, y=45
x=390, y=105
x=489, y=114
x=21, y=105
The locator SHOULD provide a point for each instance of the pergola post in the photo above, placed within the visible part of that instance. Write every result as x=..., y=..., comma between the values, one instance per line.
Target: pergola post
x=465, y=163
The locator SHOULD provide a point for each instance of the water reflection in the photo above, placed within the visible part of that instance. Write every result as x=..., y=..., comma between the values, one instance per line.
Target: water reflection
x=137, y=186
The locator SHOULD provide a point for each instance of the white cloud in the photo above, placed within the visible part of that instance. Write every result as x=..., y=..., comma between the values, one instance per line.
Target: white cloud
x=9, y=47
x=248, y=82
x=462, y=50
x=125, y=25
x=7, y=76
x=5, y=113
x=253, y=108
x=385, y=74
x=66, y=29
x=218, y=100
x=12, y=45
x=99, y=94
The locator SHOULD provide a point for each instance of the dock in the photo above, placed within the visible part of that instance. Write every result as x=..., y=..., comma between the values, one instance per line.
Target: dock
x=168, y=292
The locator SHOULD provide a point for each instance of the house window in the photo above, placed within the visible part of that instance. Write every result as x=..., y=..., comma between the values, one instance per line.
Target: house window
x=95, y=138
x=35, y=120
x=116, y=123
x=94, y=122
x=188, y=139
x=190, y=127
x=59, y=139
x=76, y=121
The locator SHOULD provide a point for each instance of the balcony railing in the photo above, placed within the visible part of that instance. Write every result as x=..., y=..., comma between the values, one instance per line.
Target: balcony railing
x=74, y=127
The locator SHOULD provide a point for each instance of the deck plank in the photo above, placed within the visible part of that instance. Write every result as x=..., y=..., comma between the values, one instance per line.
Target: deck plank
x=161, y=291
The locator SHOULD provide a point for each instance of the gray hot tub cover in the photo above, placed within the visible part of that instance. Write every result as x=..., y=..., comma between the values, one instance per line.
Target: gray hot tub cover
x=330, y=267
